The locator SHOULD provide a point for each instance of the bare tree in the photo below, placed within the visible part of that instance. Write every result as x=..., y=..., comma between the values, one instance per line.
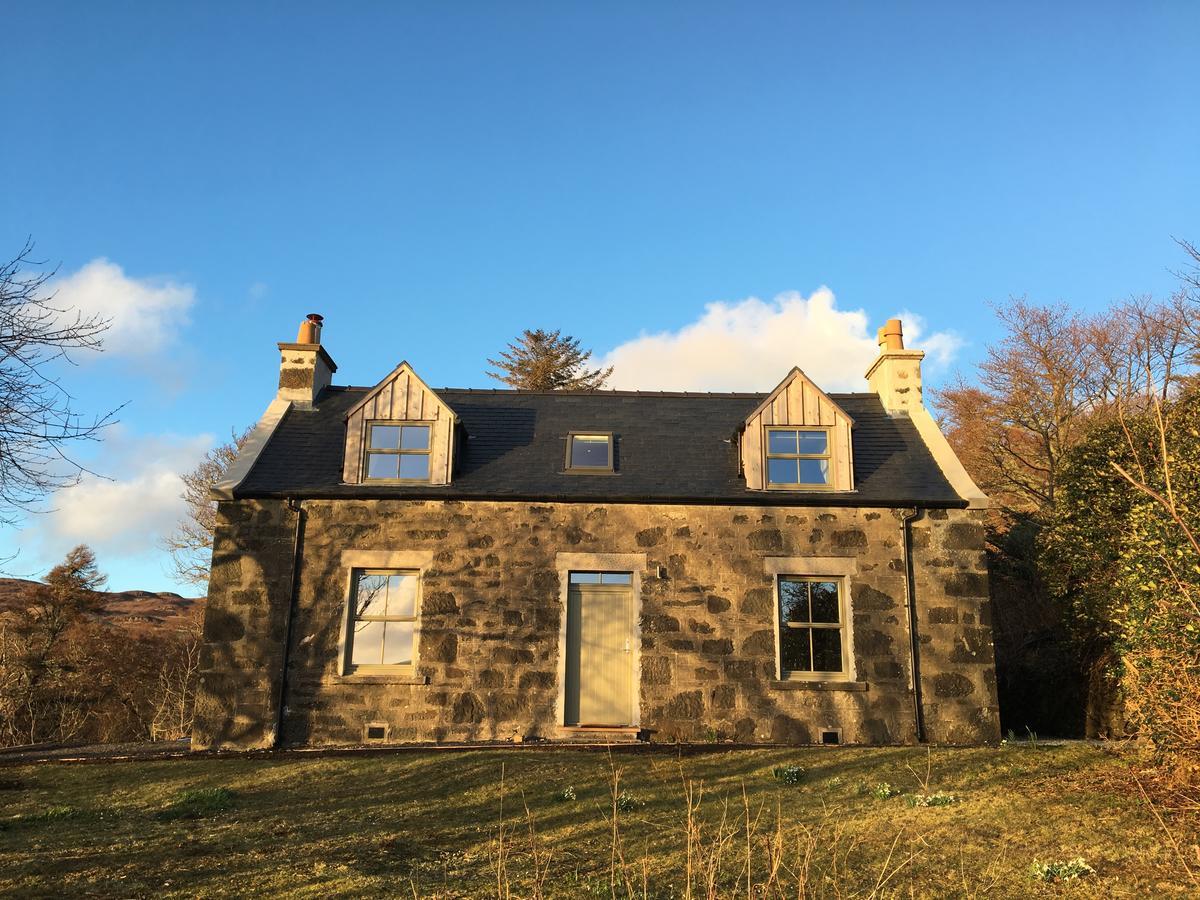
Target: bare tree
x=1035, y=390
x=37, y=422
x=547, y=361
x=190, y=544
x=174, y=696
x=37, y=665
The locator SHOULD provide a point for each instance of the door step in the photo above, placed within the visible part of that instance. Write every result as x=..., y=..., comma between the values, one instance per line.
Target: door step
x=599, y=734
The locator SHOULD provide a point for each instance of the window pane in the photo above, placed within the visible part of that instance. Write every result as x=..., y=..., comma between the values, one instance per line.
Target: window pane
x=814, y=471
x=402, y=595
x=616, y=578
x=814, y=442
x=414, y=437
x=824, y=601
x=585, y=578
x=793, y=601
x=827, y=649
x=382, y=465
x=794, y=651
x=589, y=451
x=414, y=465
x=366, y=648
x=369, y=595
x=781, y=442
x=782, y=471
x=385, y=437
x=398, y=644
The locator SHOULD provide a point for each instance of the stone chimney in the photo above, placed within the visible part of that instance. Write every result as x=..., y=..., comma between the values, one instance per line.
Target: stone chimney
x=896, y=375
x=305, y=369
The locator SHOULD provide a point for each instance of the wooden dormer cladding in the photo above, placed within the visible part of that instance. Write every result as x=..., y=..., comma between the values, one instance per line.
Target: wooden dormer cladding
x=401, y=397
x=798, y=402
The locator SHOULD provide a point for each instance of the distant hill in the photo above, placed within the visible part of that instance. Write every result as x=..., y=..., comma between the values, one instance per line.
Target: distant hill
x=141, y=612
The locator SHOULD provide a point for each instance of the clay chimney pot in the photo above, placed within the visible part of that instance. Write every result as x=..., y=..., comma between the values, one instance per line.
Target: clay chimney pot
x=891, y=335
x=310, y=329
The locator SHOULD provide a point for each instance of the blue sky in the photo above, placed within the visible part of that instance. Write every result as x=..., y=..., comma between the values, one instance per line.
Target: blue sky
x=433, y=178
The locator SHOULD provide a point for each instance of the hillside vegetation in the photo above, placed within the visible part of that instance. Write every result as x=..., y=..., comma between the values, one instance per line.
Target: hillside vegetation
x=81, y=665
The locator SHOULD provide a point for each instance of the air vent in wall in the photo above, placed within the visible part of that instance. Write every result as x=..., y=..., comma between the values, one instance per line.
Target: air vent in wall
x=375, y=731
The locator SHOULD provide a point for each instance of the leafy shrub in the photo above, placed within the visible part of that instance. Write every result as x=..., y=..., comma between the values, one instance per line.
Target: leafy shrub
x=1062, y=870
x=626, y=802
x=791, y=774
x=938, y=798
x=883, y=791
x=566, y=795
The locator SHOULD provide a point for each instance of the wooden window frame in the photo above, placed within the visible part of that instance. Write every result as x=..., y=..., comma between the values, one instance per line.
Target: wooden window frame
x=347, y=666
x=368, y=450
x=610, y=469
x=843, y=626
x=800, y=485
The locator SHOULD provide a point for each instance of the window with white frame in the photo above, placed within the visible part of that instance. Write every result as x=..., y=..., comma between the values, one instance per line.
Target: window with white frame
x=812, y=628
x=381, y=633
x=397, y=452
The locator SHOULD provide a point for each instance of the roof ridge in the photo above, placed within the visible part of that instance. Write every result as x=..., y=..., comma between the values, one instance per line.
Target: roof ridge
x=740, y=395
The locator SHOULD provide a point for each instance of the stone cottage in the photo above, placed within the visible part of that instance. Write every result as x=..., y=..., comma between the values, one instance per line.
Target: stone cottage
x=397, y=563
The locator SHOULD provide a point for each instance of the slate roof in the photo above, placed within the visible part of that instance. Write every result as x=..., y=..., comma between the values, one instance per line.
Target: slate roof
x=670, y=448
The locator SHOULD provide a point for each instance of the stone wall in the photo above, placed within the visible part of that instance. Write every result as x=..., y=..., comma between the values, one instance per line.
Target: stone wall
x=492, y=608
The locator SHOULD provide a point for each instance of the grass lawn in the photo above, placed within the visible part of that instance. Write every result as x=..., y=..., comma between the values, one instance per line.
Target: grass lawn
x=427, y=824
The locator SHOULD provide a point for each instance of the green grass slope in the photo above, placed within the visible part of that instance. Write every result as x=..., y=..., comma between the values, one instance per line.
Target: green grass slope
x=846, y=822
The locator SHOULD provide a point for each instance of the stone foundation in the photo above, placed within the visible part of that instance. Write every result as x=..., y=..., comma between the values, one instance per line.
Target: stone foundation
x=489, y=657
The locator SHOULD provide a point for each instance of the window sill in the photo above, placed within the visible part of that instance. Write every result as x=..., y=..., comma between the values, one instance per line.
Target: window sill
x=803, y=685
x=378, y=678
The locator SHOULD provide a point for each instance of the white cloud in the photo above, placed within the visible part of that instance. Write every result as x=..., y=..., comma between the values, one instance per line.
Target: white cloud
x=940, y=347
x=146, y=313
x=125, y=514
x=751, y=344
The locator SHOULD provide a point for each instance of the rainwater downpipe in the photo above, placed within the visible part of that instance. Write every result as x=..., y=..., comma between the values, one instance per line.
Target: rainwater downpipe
x=296, y=506
x=907, y=517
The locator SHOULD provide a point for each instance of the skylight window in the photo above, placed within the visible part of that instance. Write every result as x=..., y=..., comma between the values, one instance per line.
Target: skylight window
x=589, y=452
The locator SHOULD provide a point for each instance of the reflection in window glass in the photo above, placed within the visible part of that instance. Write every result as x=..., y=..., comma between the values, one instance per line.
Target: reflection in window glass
x=783, y=471
x=591, y=451
x=414, y=437
x=601, y=578
x=780, y=441
x=397, y=452
x=383, y=618
x=385, y=437
x=383, y=465
x=813, y=442
x=810, y=626
x=798, y=457
x=414, y=466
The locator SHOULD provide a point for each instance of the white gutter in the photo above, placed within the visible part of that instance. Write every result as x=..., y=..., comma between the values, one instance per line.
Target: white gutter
x=250, y=451
x=947, y=460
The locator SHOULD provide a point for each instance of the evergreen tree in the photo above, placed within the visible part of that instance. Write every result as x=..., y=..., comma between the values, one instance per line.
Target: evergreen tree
x=547, y=361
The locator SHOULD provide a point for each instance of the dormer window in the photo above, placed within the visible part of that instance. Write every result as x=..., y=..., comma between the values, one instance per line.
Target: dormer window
x=589, y=452
x=397, y=451
x=798, y=458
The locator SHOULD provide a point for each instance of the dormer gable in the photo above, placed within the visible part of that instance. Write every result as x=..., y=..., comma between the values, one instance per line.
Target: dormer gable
x=812, y=435
x=401, y=431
